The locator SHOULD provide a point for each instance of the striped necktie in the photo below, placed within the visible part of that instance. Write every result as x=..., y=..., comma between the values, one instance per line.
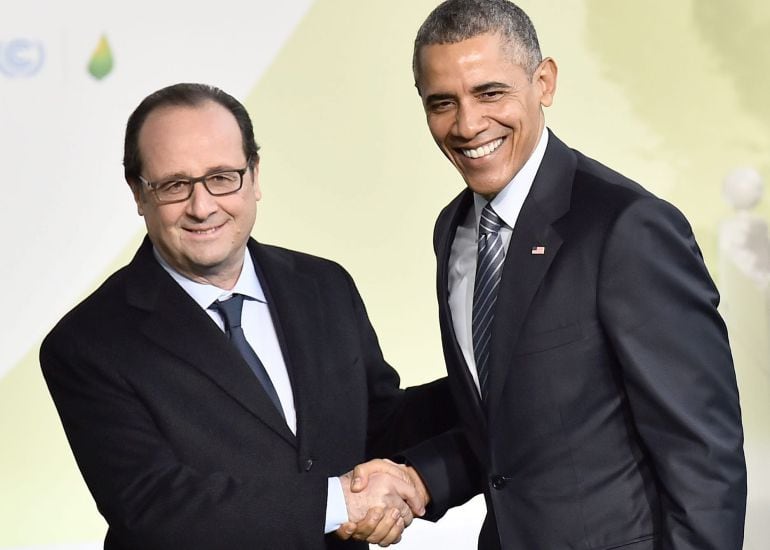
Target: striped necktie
x=489, y=267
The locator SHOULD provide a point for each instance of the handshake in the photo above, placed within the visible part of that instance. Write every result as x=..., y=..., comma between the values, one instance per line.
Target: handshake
x=382, y=498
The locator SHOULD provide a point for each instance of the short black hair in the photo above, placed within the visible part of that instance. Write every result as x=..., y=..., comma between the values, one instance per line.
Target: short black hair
x=457, y=20
x=183, y=94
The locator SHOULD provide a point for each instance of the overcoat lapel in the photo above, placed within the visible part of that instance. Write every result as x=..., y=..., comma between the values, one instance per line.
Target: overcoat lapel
x=524, y=271
x=176, y=323
x=293, y=299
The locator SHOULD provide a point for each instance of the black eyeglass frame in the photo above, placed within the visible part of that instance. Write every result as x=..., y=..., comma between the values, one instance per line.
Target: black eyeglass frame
x=192, y=181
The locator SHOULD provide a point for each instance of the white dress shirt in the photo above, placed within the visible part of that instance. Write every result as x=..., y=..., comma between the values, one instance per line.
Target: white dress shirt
x=462, y=257
x=260, y=333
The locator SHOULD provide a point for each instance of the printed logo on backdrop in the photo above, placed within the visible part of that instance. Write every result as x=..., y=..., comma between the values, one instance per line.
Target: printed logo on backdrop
x=101, y=62
x=21, y=57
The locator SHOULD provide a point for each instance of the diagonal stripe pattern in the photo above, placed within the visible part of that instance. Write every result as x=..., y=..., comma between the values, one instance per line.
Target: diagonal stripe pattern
x=489, y=267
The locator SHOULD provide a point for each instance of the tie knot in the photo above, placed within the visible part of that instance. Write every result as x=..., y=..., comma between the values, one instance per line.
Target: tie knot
x=231, y=311
x=490, y=222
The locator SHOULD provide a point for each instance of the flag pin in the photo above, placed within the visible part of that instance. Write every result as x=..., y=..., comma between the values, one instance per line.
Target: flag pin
x=538, y=250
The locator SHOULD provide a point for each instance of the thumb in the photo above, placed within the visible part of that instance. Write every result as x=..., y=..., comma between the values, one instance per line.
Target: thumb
x=360, y=479
x=346, y=530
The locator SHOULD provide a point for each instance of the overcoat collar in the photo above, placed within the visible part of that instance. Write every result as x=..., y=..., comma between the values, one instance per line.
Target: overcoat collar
x=177, y=324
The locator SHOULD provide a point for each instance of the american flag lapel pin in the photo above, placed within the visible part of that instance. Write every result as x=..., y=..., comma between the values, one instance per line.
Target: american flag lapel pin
x=538, y=250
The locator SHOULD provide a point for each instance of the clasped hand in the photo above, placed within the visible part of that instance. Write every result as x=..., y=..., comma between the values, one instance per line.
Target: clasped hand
x=382, y=498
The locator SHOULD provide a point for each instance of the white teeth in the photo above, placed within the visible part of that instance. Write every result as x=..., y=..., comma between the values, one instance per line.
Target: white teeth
x=484, y=150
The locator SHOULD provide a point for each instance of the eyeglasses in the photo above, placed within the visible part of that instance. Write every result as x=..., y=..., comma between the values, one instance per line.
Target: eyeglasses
x=217, y=184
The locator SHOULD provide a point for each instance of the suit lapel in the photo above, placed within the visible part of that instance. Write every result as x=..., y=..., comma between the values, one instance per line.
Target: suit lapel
x=523, y=271
x=445, y=234
x=177, y=324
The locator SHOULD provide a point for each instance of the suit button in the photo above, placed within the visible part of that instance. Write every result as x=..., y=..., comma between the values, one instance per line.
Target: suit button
x=498, y=482
x=308, y=464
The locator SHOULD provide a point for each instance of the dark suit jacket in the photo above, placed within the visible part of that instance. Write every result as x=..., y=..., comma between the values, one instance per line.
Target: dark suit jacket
x=613, y=417
x=177, y=441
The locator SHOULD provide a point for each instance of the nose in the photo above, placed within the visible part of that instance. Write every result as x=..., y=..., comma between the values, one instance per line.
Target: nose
x=201, y=203
x=469, y=120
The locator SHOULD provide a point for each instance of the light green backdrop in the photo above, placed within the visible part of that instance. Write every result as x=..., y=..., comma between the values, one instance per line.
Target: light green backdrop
x=672, y=94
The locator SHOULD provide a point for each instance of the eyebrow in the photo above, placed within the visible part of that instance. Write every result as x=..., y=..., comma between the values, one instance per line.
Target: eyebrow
x=481, y=88
x=187, y=176
x=432, y=98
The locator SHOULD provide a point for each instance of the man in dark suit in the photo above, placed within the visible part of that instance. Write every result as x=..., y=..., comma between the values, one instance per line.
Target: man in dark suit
x=590, y=367
x=198, y=427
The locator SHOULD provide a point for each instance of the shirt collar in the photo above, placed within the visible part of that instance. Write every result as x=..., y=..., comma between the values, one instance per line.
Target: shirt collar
x=205, y=295
x=508, y=202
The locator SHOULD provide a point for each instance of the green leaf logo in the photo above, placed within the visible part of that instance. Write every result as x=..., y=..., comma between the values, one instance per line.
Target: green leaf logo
x=101, y=61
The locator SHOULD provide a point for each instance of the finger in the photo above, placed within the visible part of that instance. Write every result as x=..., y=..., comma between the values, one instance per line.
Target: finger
x=383, y=530
x=419, y=485
x=398, y=494
x=346, y=530
x=362, y=472
x=394, y=535
x=403, y=508
x=412, y=497
x=398, y=470
x=406, y=515
x=366, y=526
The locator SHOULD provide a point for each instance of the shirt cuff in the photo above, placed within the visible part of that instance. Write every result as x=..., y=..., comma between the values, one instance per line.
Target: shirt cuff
x=336, y=509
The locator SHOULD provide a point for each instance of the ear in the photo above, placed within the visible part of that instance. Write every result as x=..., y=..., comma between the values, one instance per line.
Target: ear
x=545, y=77
x=136, y=191
x=255, y=181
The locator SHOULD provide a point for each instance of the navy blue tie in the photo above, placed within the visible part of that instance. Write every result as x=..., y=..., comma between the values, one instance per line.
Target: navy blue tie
x=231, y=314
x=489, y=267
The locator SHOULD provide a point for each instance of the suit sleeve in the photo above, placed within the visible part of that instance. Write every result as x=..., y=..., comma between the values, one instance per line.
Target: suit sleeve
x=449, y=470
x=658, y=307
x=445, y=463
x=150, y=496
x=398, y=418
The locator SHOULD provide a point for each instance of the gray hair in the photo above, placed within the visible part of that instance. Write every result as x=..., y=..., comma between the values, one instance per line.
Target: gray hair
x=457, y=20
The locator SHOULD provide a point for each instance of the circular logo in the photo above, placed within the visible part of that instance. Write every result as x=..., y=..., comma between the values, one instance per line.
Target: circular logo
x=21, y=57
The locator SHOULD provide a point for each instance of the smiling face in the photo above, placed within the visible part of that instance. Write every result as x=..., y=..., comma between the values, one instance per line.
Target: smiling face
x=204, y=237
x=483, y=110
